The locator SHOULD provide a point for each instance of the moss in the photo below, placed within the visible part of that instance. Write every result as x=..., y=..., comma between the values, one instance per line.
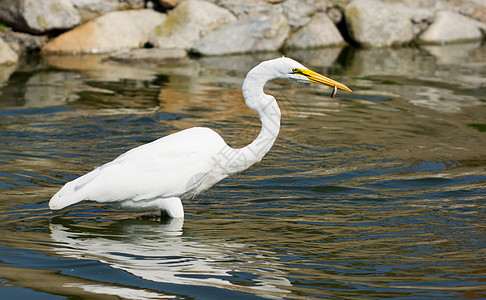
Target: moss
x=176, y=19
x=42, y=22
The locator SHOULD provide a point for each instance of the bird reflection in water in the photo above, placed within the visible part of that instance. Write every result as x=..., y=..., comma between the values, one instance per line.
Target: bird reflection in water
x=161, y=252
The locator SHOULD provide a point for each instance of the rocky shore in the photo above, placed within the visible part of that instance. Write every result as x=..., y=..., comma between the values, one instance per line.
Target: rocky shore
x=174, y=28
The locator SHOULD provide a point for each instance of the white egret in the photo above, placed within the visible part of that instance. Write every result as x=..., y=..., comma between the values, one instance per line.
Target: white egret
x=157, y=175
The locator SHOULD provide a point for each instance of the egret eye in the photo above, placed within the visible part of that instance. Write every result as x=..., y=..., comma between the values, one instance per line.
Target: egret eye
x=297, y=71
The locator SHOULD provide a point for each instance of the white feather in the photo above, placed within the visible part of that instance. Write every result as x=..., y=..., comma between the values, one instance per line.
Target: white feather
x=179, y=166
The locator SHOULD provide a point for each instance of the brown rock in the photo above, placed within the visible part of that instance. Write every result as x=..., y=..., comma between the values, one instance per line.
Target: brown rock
x=111, y=32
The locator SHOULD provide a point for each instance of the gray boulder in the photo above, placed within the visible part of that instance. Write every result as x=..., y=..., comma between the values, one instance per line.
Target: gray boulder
x=38, y=17
x=7, y=55
x=373, y=23
x=22, y=42
x=91, y=9
x=320, y=32
x=108, y=33
x=450, y=27
x=187, y=23
x=244, y=8
x=259, y=33
x=299, y=12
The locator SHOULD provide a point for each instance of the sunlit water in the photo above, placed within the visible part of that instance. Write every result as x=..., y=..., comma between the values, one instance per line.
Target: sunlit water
x=376, y=194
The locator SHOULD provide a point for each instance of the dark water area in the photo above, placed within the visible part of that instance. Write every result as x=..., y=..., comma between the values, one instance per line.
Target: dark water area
x=376, y=194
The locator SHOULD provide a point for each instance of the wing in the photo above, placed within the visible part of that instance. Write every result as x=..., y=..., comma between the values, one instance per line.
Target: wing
x=170, y=166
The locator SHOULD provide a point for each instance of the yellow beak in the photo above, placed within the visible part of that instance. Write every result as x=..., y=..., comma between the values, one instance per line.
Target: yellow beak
x=321, y=79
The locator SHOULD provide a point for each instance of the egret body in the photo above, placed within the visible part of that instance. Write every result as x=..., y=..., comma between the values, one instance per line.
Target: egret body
x=157, y=175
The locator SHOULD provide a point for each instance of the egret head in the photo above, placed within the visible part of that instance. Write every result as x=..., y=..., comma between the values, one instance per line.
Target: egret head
x=281, y=68
x=297, y=72
x=287, y=68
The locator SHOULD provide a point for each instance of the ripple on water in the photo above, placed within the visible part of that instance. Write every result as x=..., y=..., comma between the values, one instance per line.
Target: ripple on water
x=377, y=194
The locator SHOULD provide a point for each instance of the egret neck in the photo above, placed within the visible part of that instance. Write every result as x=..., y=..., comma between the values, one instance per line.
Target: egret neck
x=267, y=108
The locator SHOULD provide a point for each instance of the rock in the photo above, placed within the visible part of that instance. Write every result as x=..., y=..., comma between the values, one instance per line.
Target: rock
x=38, y=17
x=450, y=27
x=335, y=14
x=373, y=23
x=111, y=32
x=298, y=12
x=429, y=4
x=479, y=13
x=91, y=9
x=420, y=23
x=188, y=22
x=320, y=32
x=7, y=55
x=150, y=56
x=244, y=8
x=260, y=33
x=22, y=42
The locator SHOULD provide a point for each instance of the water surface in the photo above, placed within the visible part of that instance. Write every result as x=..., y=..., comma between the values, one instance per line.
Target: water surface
x=376, y=194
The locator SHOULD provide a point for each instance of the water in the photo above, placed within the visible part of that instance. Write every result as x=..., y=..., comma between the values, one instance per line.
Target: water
x=376, y=194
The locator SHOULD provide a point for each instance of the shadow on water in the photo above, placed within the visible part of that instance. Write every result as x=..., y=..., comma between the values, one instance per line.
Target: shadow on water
x=381, y=194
